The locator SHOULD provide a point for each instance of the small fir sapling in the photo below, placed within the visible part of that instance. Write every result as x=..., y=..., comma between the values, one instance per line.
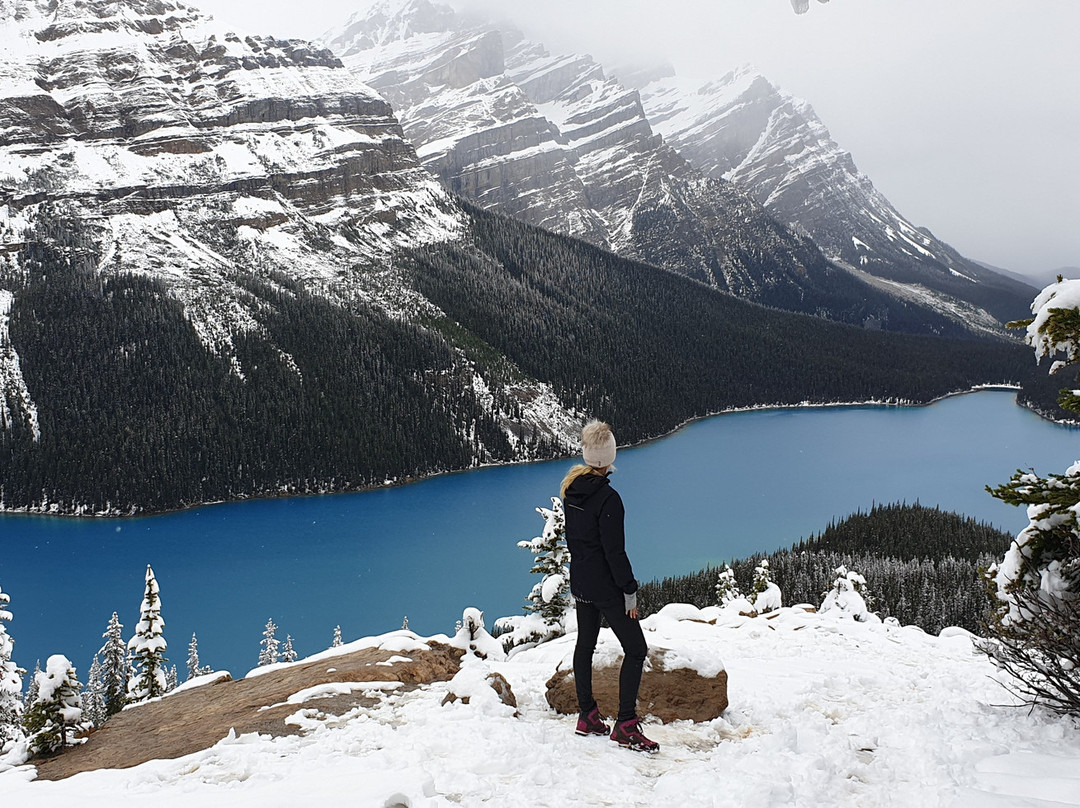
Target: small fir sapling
x=1034, y=628
x=194, y=667
x=148, y=646
x=93, y=697
x=32, y=687
x=269, y=653
x=172, y=678
x=288, y=653
x=53, y=718
x=847, y=596
x=116, y=668
x=336, y=643
x=548, y=605
x=727, y=588
x=766, y=595
x=11, y=705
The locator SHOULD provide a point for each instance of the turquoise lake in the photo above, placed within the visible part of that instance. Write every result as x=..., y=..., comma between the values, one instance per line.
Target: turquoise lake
x=720, y=488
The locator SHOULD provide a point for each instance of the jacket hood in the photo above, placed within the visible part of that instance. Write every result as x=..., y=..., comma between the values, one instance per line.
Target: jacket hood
x=584, y=487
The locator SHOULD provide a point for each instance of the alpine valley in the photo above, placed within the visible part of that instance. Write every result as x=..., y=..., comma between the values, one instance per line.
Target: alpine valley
x=226, y=272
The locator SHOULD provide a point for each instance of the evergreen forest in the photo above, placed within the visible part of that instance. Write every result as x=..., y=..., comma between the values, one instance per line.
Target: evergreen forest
x=922, y=566
x=137, y=414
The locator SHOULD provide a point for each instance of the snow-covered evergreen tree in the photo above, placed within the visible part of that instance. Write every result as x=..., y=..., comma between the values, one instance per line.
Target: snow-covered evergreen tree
x=1036, y=629
x=194, y=667
x=56, y=712
x=548, y=604
x=766, y=595
x=405, y=623
x=727, y=589
x=11, y=706
x=848, y=595
x=269, y=653
x=148, y=646
x=93, y=697
x=32, y=687
x=336, y=643
x=115, y=667
x=172, y=678
x=288, y=653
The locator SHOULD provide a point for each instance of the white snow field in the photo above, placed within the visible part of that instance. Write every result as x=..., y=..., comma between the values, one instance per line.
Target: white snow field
x=825, y=711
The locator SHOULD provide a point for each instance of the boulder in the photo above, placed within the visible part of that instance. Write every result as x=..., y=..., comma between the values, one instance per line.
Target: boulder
x=497, y=682
x=675, y=694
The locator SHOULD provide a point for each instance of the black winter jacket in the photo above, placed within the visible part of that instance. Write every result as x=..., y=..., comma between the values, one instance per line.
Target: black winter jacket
x=600, y=570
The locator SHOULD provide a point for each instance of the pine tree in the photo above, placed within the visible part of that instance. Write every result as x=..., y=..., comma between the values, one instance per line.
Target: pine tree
x=54, y=716
x=148, y=647
x=11, y=706
x=1035, y=628
x=32, y=687
x=288, y=653
x=269, y=644
x=337, y=637
x=194, y=668
x=847, y=594
x=115, y=669
x=727, y=589
x=767, y=596
x=93, y=697
x=550, y=598
x=405, y=623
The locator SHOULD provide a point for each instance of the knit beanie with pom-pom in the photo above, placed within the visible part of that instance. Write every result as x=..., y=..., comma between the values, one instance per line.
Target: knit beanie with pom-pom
x=597, y=445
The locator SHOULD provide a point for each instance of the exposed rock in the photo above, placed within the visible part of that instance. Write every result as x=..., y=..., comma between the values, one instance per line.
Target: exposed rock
x=498, y=684
x=196, y=719
x=678, y=694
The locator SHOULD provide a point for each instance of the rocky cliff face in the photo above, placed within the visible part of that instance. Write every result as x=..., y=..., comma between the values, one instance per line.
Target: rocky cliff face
x=553, y=141
x=745, y=129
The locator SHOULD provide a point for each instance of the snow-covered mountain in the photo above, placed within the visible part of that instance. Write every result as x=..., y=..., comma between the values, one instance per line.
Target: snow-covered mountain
x=823, y=711
x=189, y=149
x=747, y=130
x=200, y=157
x=554, y=140
x=225, y=272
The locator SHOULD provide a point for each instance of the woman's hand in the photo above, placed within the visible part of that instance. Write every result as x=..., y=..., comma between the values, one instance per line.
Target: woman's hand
x=632, y=614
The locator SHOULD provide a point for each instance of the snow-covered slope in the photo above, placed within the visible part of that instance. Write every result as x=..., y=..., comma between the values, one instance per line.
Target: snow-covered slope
x=823, y=711
x=745, y=129
x=552, y=140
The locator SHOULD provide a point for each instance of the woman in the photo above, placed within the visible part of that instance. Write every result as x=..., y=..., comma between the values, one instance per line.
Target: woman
x=602, y=583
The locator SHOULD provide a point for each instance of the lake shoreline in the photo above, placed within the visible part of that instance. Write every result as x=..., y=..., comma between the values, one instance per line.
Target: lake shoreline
x=148, y=513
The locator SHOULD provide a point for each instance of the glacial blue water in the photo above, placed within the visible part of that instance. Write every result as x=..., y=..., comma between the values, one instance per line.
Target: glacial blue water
x=720, y=488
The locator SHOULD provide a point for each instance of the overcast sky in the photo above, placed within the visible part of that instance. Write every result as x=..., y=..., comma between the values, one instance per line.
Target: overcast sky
x=964, y=113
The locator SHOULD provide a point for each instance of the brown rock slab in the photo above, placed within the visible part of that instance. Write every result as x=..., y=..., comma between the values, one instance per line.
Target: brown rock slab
x=678, y=694
x=196, y=719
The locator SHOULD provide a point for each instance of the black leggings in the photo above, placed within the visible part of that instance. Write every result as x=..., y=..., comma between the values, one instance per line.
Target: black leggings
x=634, y=650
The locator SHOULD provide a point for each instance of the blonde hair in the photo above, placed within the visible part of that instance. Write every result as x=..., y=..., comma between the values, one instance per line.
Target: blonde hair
x=580, y=470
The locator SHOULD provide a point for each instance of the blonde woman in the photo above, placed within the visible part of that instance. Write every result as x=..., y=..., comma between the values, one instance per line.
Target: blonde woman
x=603, y=585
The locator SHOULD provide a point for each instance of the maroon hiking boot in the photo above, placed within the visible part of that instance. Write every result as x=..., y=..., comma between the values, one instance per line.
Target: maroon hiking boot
x=591, y=723
x=628, y=734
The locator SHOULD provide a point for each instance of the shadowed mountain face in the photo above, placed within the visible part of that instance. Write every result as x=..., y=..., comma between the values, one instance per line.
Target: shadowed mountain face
x=554, y=141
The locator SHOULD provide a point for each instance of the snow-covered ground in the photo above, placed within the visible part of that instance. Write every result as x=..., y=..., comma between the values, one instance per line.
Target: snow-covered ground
x=824, y=712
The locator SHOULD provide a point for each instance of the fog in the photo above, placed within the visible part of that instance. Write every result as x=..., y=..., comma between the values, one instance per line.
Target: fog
x=964, y=114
